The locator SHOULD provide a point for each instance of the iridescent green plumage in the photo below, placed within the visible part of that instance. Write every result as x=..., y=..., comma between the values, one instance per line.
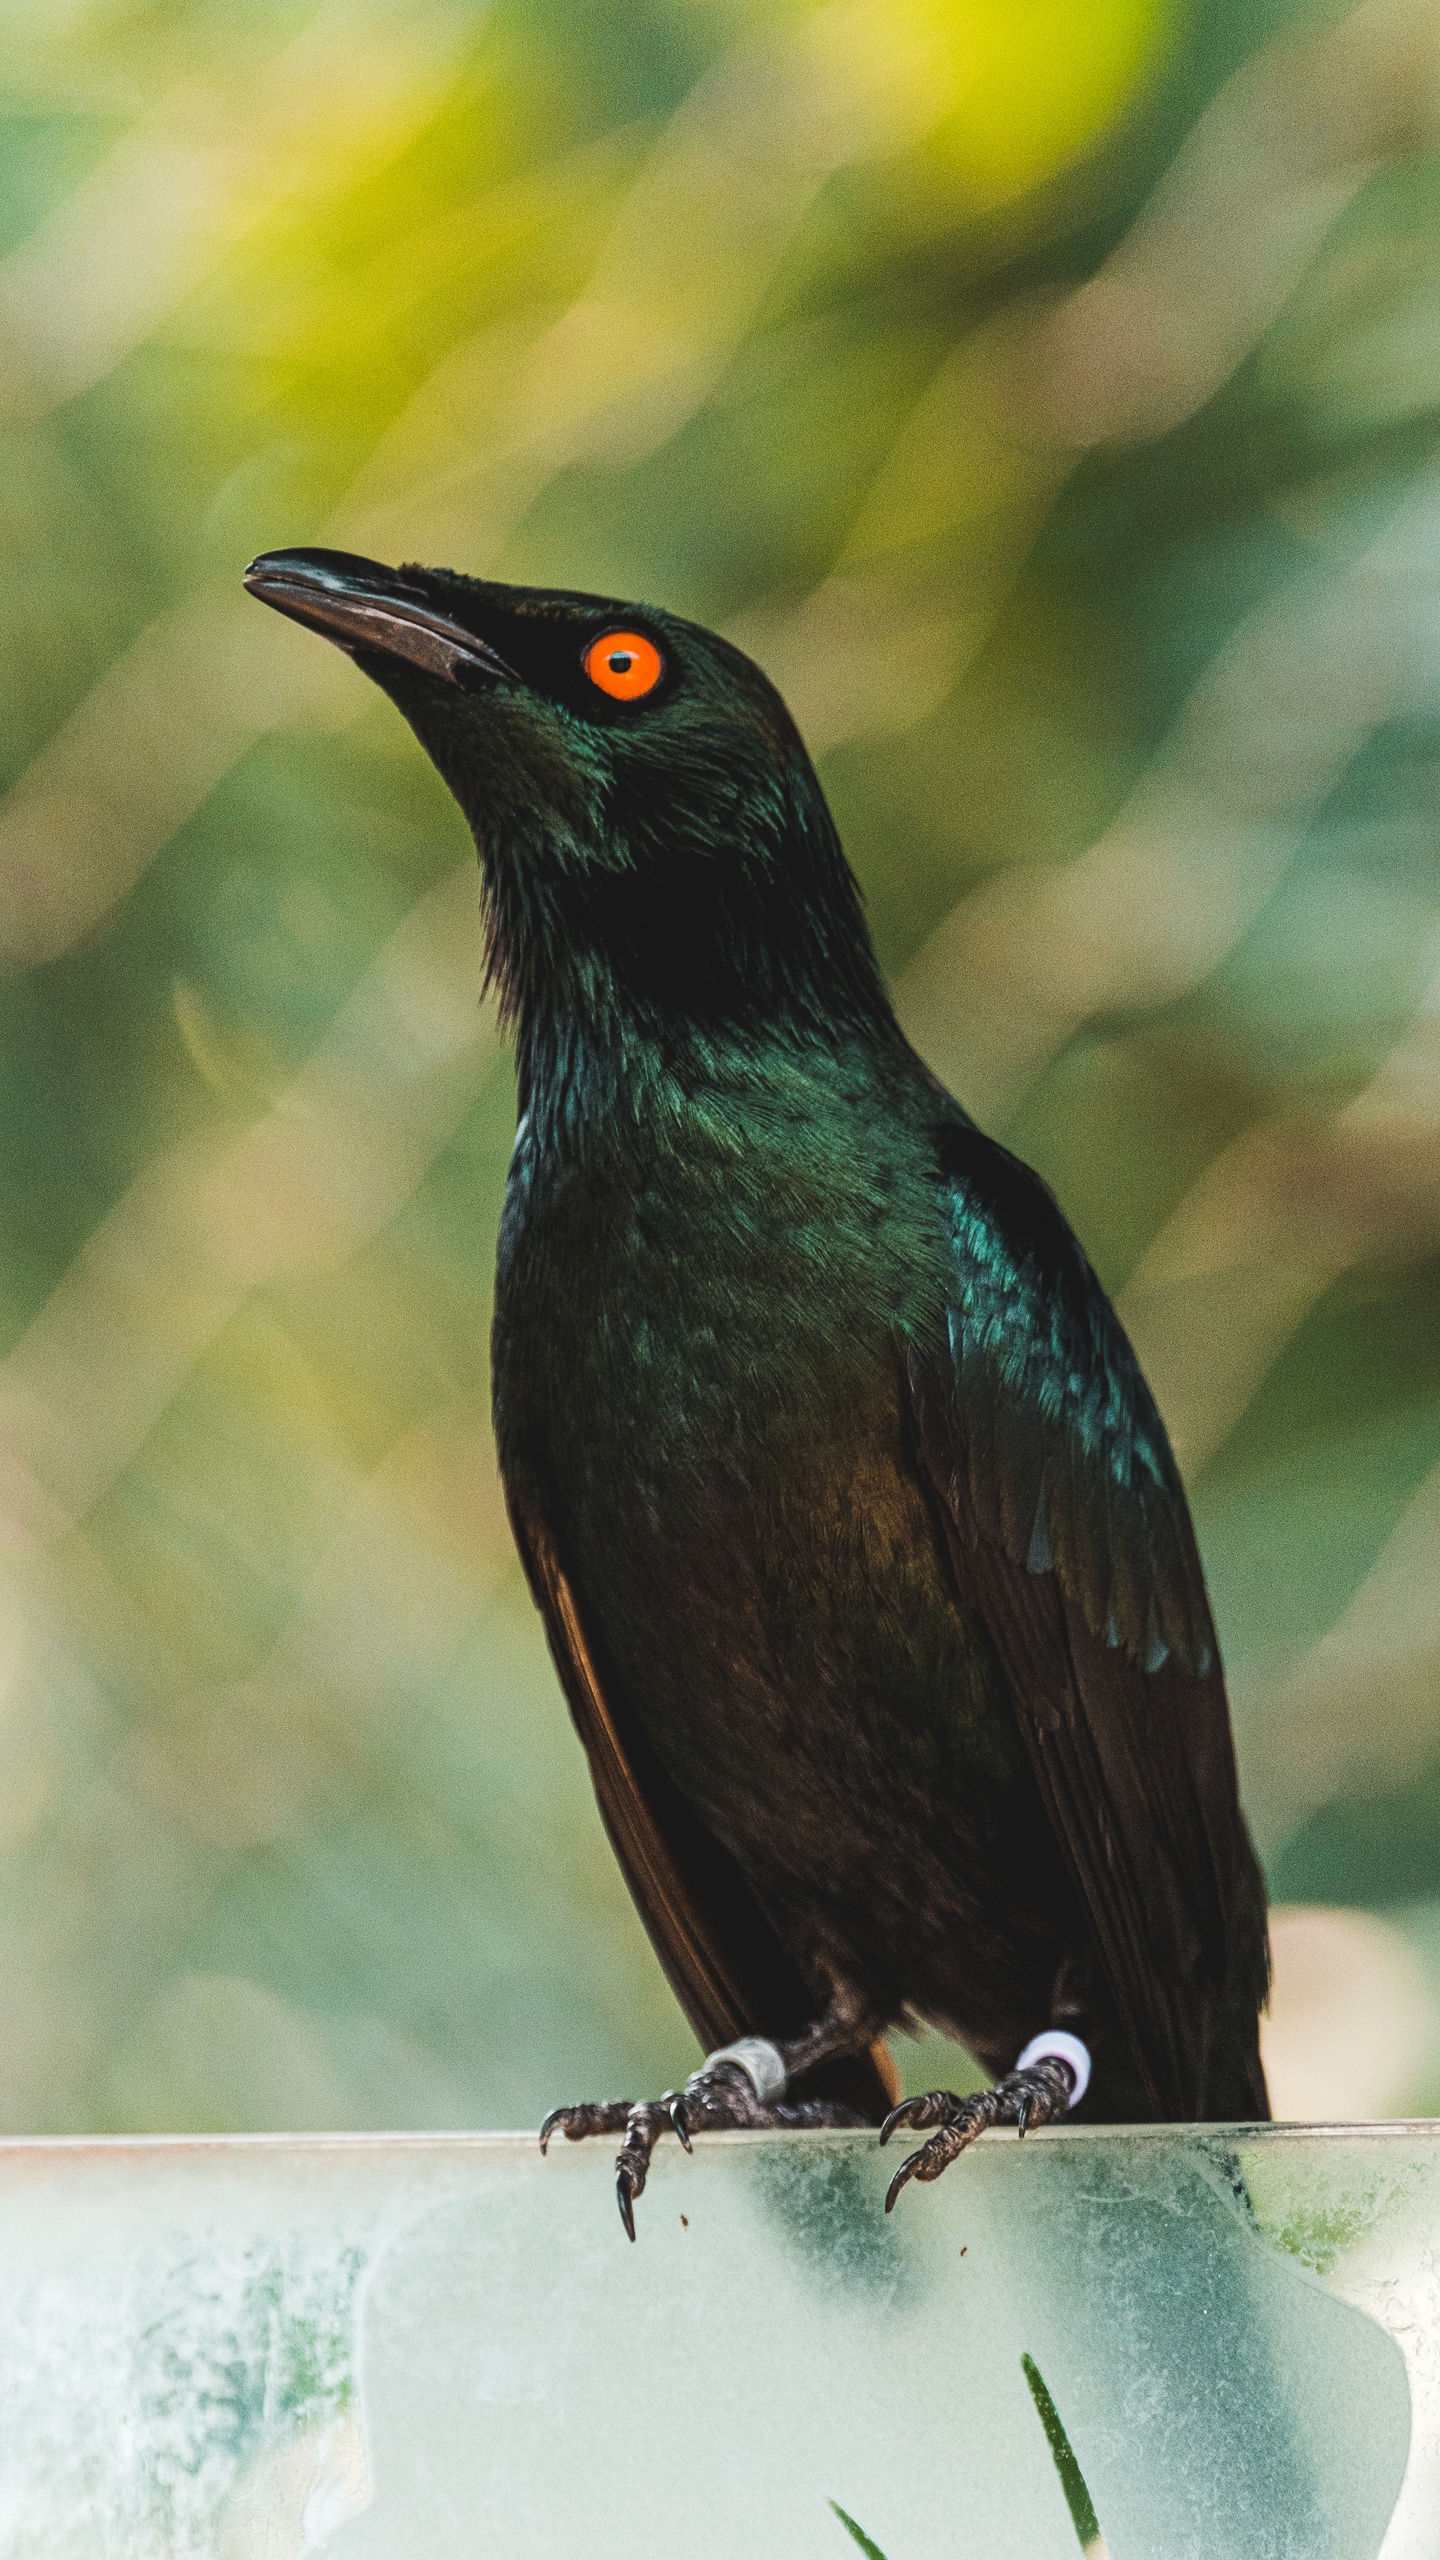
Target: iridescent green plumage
x=861, y=1546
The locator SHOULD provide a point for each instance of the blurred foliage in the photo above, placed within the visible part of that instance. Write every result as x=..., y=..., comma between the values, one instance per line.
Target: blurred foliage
x=1045, y=390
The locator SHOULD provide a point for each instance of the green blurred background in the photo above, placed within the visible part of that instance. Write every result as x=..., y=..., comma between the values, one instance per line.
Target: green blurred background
x=1046, y=391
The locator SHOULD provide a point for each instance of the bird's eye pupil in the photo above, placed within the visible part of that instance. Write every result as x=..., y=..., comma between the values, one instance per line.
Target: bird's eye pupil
x=621, y=661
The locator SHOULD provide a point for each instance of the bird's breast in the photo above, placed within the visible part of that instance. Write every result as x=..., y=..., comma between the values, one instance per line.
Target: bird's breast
x=714, y=1306
x=698, y=1378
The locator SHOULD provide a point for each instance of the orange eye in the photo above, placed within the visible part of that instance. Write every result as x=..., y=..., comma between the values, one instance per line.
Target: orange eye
x=624, y=664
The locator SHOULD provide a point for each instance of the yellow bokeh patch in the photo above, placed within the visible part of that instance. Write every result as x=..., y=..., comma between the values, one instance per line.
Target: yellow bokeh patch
x=1048, y=78
x=1007, y=91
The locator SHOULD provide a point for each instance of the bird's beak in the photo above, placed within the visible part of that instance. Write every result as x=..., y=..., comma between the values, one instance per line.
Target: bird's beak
x=360, y=604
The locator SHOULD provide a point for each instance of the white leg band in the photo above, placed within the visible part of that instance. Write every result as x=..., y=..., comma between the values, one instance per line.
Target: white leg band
x=1056, y=2046
x=760, y=2061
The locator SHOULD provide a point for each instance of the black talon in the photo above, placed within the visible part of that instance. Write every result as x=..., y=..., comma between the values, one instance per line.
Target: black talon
x=681, y=2122
x=1022, y=2117
x=897, y=2116
x=556, y=2116
x=625, y=2201
x=903, y=2174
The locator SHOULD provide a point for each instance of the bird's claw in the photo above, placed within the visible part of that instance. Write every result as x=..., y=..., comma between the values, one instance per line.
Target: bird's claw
x=1022, y=2098
x=576, y=2122
x=719, y=2100
x=937, y=2106
x=959, y=2121
x=642, y=2126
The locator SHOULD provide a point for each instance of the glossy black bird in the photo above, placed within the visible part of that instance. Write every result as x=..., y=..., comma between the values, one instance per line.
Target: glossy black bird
x=858, y=1539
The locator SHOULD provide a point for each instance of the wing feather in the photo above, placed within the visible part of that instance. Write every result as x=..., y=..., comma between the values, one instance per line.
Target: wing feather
x=723, y=1960
x=1069, y=1530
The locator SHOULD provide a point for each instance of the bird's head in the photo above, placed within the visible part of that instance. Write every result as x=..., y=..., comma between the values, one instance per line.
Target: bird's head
x=651, y=833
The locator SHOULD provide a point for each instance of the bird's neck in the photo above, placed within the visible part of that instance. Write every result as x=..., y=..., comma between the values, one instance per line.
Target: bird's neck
x=581, y=1065
x=629, y=980
x=593, y=1063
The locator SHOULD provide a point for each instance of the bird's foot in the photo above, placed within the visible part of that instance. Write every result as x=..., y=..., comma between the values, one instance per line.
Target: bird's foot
x=642, y=2125
x=724, y=2096
x=1033, y=2094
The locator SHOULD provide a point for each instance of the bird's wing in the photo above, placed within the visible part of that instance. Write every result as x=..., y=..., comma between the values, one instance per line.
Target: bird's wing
x=724, y=1962
x=1069, y=1529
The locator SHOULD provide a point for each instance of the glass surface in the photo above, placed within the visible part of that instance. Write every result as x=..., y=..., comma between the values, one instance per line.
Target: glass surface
x=418, y=2348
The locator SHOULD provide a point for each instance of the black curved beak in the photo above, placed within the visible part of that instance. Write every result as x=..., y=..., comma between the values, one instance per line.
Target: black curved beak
x=360, y=604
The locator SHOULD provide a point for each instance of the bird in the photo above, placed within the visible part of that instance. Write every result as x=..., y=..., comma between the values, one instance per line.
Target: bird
x=860, y=1546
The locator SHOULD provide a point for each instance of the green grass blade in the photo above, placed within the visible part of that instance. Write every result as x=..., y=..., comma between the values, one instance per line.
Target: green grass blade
x=1072, y=2478
x=871, y=2549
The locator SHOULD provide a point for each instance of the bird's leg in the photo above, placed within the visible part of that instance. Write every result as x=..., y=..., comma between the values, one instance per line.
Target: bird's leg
x=743, y=2085
x=1050, y=2077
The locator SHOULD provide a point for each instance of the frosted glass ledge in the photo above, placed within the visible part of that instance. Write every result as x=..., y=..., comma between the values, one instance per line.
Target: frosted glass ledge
x=441, y=2347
